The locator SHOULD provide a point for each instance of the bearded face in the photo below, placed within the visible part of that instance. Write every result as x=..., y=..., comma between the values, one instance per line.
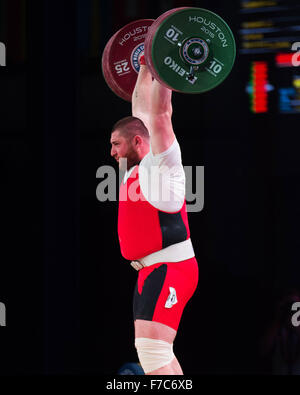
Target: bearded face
x=123, y=151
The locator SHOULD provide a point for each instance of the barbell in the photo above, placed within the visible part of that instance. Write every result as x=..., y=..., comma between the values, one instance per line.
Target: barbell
x=187, y=49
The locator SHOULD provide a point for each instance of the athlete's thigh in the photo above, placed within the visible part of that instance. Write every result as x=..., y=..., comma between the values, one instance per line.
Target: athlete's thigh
x=163, y=290
x=154, y=330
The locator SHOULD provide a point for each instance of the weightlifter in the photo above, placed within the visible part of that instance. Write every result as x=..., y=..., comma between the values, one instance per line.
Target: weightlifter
x=154, y=232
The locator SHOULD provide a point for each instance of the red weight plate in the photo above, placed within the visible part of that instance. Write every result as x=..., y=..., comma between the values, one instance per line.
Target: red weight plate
x=106, y=70
x=120, y=59
x=149, y=39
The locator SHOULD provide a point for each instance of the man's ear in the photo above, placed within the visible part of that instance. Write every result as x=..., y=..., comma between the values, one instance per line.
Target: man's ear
x=137, y=140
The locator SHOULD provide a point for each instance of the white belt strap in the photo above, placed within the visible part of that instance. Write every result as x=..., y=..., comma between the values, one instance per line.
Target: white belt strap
x=174, y=253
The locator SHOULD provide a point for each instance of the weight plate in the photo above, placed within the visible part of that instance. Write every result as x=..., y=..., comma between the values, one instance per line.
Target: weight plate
x=106, y=70
x=190, y=50
x=120, y=58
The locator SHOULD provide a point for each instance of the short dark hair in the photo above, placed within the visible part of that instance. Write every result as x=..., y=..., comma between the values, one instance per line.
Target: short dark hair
x=130, y=127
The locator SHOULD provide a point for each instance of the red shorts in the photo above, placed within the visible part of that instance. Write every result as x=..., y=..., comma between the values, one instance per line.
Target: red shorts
x=163, y=290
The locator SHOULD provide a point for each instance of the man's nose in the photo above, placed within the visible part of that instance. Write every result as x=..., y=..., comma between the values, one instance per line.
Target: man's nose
x=112, y=151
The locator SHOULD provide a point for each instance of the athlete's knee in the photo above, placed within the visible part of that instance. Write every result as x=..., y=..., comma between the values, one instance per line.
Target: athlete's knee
x=153, y=353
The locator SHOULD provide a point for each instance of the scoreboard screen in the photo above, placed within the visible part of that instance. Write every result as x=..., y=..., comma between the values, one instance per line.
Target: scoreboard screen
x=269, y=33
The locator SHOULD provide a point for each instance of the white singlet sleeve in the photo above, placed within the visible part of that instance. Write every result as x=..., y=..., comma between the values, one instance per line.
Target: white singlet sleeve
x=162, y=179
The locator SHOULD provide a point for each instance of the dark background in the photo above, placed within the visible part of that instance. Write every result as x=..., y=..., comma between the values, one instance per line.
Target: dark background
x=67, y=290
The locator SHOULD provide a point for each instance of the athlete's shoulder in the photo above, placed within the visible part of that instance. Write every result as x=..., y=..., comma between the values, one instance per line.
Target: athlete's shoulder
x=170, y=156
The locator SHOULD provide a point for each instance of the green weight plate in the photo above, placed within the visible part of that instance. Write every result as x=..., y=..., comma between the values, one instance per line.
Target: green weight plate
x=190, y=50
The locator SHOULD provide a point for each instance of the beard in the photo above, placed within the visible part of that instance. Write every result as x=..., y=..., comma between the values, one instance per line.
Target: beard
x=131, y=159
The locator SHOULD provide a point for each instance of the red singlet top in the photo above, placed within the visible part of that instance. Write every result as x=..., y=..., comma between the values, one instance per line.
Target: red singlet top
x=142, y=228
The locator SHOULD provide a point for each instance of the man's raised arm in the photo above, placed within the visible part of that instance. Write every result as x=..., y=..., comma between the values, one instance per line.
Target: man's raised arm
x=151, y=102
x=161, y=129
x=141, y=96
